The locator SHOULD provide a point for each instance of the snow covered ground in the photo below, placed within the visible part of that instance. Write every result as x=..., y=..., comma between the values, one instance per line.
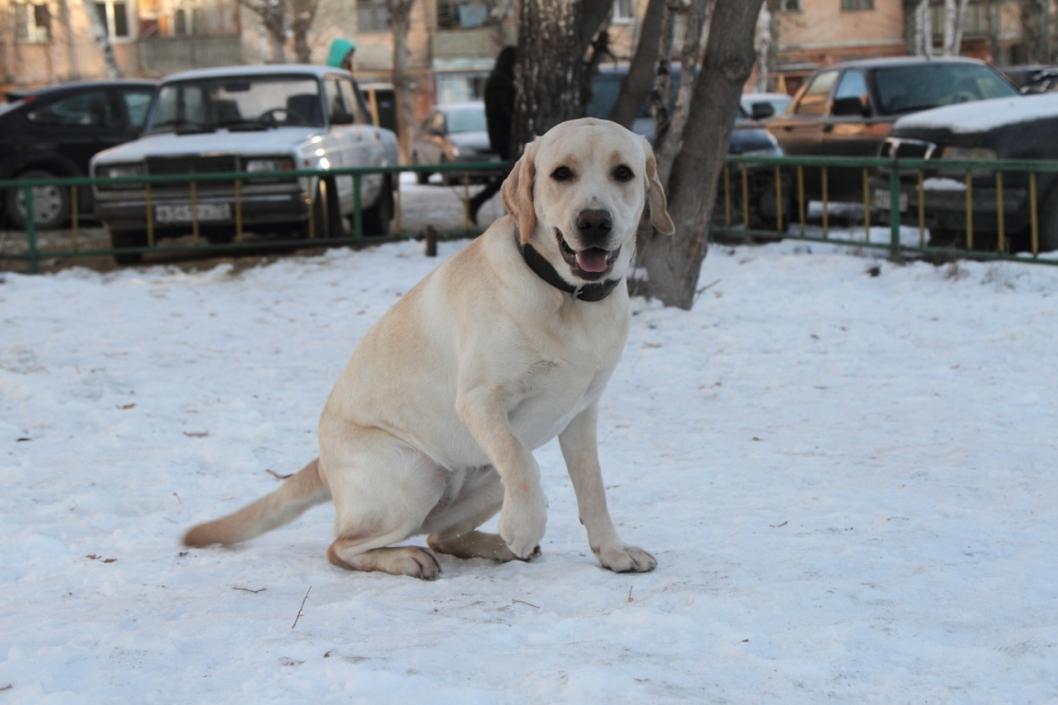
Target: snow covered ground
x=848, y=480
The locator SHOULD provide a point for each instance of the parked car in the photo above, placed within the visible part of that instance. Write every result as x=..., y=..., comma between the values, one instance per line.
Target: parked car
x=252, y=119
x=452, y=133
x=381, y=101
x=761, y=106
x=1002, y=128
x=848, y=109
x=747, y=138
x=1033, y=78
x=53, y=132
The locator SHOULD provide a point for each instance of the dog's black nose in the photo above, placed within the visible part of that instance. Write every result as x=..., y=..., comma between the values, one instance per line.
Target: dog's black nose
x=594, y=226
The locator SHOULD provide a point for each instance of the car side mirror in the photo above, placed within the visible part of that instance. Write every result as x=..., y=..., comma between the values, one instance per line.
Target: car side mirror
x=855, y=106
x=762, y=110
x=341, y=118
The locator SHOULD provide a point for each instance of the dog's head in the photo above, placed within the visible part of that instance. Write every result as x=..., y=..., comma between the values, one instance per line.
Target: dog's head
x=578, y=194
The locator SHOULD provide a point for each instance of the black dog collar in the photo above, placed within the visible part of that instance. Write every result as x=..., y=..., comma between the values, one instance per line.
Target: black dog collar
x=543, y=269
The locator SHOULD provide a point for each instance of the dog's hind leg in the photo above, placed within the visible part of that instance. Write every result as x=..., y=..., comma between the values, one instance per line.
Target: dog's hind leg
x=453, y=529
x=382, y=491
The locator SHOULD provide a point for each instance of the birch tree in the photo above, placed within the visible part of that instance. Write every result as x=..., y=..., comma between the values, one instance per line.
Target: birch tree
x=954, y=17
x=922, y=40
x=101, y=36
x=273, y=17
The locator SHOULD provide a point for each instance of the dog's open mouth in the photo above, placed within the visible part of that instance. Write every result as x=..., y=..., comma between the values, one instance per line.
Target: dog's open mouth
x=589, y=263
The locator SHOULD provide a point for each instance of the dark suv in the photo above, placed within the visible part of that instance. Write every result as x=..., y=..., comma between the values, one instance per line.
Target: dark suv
x=53, y=132
x=848, y=110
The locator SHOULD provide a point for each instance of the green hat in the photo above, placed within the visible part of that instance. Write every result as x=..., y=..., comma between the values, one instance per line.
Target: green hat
x=340, y=48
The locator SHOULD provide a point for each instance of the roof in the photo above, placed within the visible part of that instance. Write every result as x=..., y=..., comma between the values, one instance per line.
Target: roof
x=72, y=85
x=315, y=70
x=898, y=61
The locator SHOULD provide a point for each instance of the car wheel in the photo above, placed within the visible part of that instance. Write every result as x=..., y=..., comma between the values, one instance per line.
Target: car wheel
x=128, y=238
x=421, y=177
x=319, y=226
x=51, y=204
x=336, y=227
x=1049, y=225
x=377, y=218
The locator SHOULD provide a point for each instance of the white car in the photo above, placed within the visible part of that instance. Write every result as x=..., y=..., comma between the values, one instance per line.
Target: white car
x=248, y=119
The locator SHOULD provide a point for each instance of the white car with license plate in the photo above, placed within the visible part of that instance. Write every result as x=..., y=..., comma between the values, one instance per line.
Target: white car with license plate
x=250, y=119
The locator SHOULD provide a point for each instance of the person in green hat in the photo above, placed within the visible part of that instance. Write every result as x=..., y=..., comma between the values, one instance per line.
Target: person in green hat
x=341, y=54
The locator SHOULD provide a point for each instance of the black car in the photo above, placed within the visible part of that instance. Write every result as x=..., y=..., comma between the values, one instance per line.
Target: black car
x=1021, y=128
x=848, y=109
x=53, y=132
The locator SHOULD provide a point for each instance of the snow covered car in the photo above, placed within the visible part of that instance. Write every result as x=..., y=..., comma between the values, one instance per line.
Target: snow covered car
x=248, y=119
x=1001, y=128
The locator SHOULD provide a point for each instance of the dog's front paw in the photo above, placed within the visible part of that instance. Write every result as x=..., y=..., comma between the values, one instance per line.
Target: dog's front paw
x=627, y=559
x=522, y=525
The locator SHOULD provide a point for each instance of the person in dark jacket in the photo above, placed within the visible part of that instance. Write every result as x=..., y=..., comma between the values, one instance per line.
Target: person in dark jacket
x=499, y=114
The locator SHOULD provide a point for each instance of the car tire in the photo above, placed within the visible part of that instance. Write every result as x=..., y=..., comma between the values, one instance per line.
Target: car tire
x=1049, y=225
x=378, y=217
x=336, y=227
x=51, y=203
x=421, y=177
x=128, y=238
x=320, y=227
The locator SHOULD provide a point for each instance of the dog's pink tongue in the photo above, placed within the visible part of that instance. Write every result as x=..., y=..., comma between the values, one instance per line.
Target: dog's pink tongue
x=592, y=259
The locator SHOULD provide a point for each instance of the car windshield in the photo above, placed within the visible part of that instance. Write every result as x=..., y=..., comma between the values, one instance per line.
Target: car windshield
x=465, y=119
x=237, y=102
x=906, y=89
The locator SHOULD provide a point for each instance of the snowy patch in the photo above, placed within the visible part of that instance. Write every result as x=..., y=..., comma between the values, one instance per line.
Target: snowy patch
x=983, y=115
x=847, y=473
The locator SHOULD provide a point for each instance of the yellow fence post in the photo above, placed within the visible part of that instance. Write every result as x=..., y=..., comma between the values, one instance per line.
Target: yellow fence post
x=921, y=210
x=1034, y=217
x=826, y=208
x=745, y=197
x=969, y=210
x=801, y=196
x=398, y=224
x=238, y=210
x=1001, y=244
x=778, y=200
x=866, y=207
x=194, y=212
x=150, y=215
x=727, y=195
x=74, y=216
x=466, y=201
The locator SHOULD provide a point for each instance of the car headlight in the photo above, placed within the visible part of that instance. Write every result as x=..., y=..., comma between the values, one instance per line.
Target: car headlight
x=271, y=164
x=967, y=154
x=113, y=171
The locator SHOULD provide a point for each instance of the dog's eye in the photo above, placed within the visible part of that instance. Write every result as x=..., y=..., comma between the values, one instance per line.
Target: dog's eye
x=623, y=173
x=563, y=173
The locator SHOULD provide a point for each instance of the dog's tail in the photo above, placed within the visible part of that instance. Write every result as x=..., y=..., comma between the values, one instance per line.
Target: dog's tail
x=294, y=496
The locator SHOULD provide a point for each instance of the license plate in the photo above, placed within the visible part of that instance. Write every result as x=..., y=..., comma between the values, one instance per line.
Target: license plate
x=880, y=199
x=182, y=212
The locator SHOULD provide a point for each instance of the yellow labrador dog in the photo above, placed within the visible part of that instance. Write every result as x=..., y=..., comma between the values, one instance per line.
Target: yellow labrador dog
x=431, y=427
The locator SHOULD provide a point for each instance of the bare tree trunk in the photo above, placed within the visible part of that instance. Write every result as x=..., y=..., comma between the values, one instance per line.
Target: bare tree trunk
x=399, y=23
x=954, y=15
x=272, y=14
x=764, y=42
x=661, y=94
x=923, y=30
x=304, y=14
x=499, y=11
x=549, y=85
x=672, y=266
x=102, y=39
x=636, y=85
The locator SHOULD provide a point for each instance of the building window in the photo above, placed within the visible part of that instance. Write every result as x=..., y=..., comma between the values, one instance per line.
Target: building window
x=114, y=15
x=623, y=10
x=857, y=4
x=372, y=16
x=32, y=23
x=459, y=14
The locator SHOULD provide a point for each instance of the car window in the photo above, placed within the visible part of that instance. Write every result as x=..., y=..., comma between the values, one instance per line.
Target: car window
x=136, y=104
x=853, y=84
x=814, y=100
x=332, y=96
x=228, y=101
x=470, y=119
x=91, y=109
x=354, y=102
x=905, y=89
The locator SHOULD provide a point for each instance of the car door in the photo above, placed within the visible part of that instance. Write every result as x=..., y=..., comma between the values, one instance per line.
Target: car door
x=135, y=101
x=800, y=130
x=76, y=125
x=373, y=149
x=345, y=144
x=852, y=128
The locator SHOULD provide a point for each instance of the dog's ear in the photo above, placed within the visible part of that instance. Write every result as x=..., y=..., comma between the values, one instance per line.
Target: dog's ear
x=517, y=191
x=659, y=213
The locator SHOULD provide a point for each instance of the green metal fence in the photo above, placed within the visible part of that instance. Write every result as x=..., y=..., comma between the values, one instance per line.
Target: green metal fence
x=33, y=253
x=936, y=208
x=979, y=209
